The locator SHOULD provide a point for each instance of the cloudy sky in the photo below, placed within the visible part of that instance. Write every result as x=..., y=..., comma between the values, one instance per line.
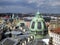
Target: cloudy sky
x=29, y=6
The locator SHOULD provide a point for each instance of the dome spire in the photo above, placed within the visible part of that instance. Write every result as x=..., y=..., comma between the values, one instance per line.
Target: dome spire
x=13, y=16
x=38, y=14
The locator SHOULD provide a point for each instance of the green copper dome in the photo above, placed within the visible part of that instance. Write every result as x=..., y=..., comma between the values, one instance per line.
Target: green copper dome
x=37, y=26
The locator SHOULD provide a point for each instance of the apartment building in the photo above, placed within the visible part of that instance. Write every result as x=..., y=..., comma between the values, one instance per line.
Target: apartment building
x=55, y=34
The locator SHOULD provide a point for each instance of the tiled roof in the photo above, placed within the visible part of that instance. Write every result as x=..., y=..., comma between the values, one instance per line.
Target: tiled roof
x=56, y=30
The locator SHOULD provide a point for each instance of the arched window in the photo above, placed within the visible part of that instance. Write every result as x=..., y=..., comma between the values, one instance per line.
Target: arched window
x=33, y=24
x=39, y=25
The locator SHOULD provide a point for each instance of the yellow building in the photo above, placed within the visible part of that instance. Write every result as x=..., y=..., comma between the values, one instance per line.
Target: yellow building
x=54, y=23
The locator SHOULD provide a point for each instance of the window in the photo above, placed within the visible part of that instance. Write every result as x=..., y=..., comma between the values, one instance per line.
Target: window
x=33, y=24
x=44, y=25
x=22, y=24
x=39, y=32
x=39, y=25
x=59, y=36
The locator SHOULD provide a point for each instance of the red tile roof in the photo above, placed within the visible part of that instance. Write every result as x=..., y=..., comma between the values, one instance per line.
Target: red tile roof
x=56, y=30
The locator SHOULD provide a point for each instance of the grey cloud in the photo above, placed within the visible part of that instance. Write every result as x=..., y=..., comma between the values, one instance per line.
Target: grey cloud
x=46, y=2
x=16, y=9
x=37, y=2
x=30, y=5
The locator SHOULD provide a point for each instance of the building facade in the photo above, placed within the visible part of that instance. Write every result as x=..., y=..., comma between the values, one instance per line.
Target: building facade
x=55, y=34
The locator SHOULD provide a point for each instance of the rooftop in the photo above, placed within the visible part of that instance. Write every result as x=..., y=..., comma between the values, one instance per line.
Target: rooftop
x=56, y=30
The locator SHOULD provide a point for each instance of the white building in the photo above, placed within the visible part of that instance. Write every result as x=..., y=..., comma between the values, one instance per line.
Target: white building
x=55, y=34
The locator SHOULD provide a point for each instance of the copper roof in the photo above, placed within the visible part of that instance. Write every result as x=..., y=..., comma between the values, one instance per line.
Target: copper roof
x=56, y=30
